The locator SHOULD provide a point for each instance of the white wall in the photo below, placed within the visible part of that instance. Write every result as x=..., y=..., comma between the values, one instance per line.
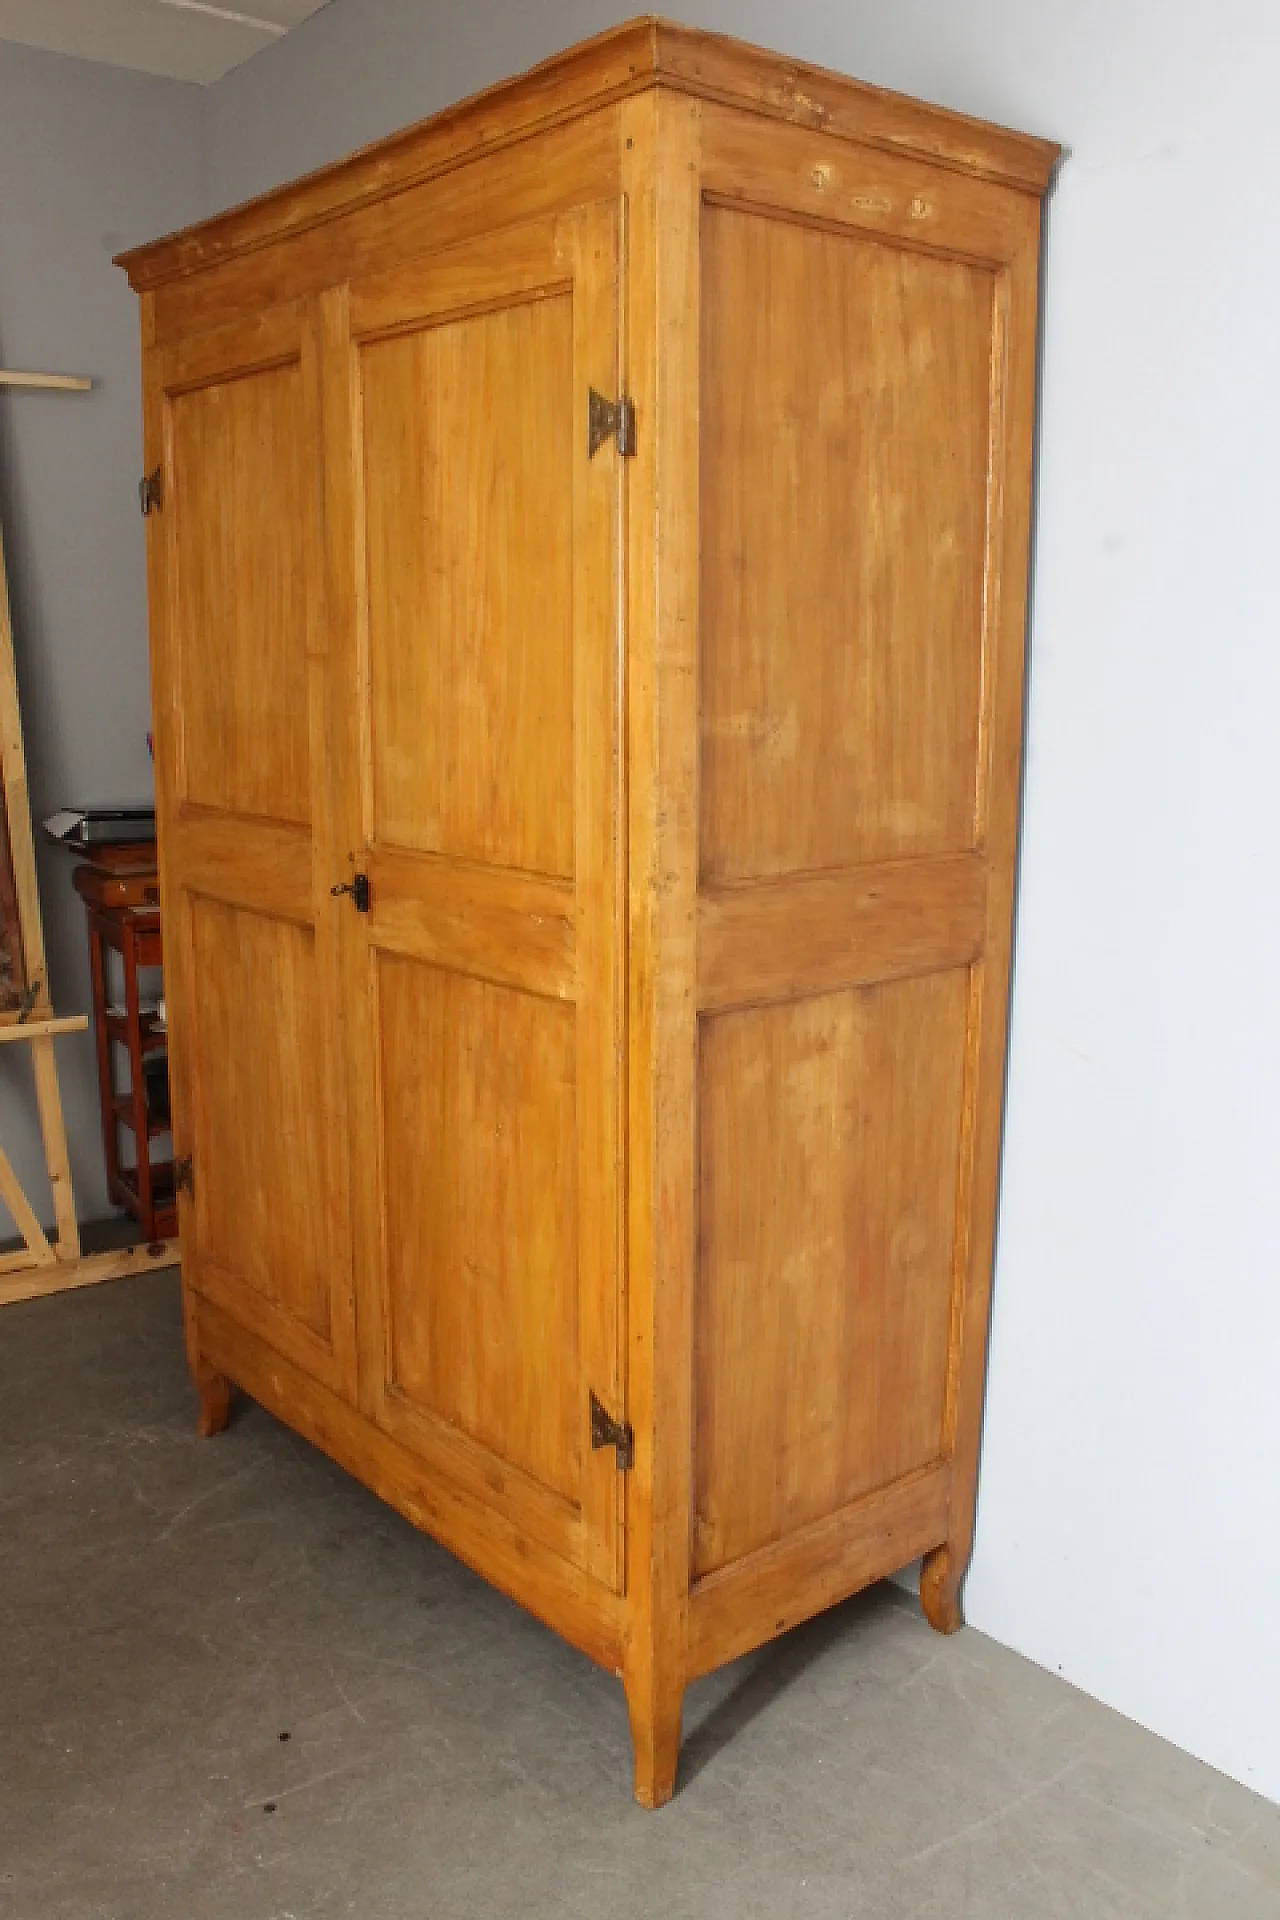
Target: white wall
x=92, y=159
x=1133, y=1437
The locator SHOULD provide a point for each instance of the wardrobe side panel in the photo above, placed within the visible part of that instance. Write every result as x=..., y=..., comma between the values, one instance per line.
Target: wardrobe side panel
x=846, y=443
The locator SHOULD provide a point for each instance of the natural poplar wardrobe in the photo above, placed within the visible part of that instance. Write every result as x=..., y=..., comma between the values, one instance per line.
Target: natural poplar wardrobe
x=588, y=543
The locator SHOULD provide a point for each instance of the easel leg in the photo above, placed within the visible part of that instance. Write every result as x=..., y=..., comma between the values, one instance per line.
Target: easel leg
x=57, y=1159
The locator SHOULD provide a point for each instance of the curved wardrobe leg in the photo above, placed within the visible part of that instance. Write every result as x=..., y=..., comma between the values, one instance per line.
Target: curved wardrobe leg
x=940, y=1578
x=214, y=1390
x=655, y=1736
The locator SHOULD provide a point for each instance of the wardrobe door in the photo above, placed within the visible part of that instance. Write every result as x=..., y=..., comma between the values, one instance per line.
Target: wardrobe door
x=250, y=946
x=482, y=811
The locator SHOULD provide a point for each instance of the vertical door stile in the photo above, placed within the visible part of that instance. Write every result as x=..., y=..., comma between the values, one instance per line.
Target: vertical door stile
x=349, y=786
x=324, y=704
x=598, y=482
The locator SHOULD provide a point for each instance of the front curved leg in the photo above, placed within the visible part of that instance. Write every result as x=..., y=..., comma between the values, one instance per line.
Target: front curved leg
x=940, y=1577
x=214, y=1390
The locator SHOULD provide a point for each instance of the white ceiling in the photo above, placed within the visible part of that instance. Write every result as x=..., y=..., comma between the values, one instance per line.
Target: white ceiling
x=186, y=39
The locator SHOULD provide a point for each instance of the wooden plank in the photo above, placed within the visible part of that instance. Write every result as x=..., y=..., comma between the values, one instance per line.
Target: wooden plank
x=237, y=521
x=17, y=803
x=88, y=1271
x=577, y=163
x=480, y=1264
x=256, y=343
x=466, y=278
x=803, y=174
x=592, y=240
x=468, y=561
x=718, y=68
x=754, y=1599
x=661, y=136
x=625, y=61
x=1009, y=495
x=63, y=382
x=56, y=1157
x=815, y=932
x=842, y=608
x=40, y=1029
x=829, y=1138
x=493, y=923
x=263, y=866
x=17, y=812
x=38, y=1249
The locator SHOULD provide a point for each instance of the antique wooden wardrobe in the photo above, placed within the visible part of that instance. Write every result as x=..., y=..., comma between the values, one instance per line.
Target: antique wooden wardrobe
x=587, y=546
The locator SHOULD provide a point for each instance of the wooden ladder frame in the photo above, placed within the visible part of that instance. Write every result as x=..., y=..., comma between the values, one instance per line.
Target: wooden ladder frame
x=42, y=1264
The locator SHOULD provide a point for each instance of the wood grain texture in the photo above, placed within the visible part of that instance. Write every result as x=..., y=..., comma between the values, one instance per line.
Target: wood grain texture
x=829, y=1142
x=259, y=1125
x=516, y=929
x=482, y=796
x=35, y=1029
x=666, y=1063
x=1009, y=511
x=260, y=864
x=576, y=163
x=479, y=1136
x=465, y=503
x=811, y=932
x=661, y=158
x=241, y=706
x=90, y=1270
x=751, y=1601
x=626, y=60
x=845, y=442
x=240, y=583
x=820, y=182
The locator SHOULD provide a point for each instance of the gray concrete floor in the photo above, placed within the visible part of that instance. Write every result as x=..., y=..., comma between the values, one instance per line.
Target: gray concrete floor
x=233, y=1686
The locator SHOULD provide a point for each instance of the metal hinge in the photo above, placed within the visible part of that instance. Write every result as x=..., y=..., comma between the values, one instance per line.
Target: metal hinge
x=151, y=491
x=184, y=1176
x=608, y=1432
x=607, y=419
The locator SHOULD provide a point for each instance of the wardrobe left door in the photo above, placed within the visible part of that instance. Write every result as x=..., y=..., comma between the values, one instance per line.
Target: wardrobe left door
x=242, y=722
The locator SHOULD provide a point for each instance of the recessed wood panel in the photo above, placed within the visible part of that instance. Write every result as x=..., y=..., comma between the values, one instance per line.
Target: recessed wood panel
x=479, y=1142
x=254, y=1034
x=468, y=481
x=243, y=497
x=845, y=427
x=829, y=1137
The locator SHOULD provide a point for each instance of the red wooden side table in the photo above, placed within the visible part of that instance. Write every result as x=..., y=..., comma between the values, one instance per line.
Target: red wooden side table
x=145, y=1188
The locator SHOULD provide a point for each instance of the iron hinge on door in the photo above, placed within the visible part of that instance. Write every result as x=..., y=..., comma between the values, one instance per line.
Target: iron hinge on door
x=609, y=419
x=151, y=491
x=184, y=1176
x=608, y=1432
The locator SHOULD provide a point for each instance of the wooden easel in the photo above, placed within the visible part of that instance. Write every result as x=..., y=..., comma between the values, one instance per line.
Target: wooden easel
x=42, y=1265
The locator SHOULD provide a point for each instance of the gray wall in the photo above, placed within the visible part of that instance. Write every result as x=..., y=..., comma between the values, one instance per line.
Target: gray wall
x=92, y=159
x=1133, y=1427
